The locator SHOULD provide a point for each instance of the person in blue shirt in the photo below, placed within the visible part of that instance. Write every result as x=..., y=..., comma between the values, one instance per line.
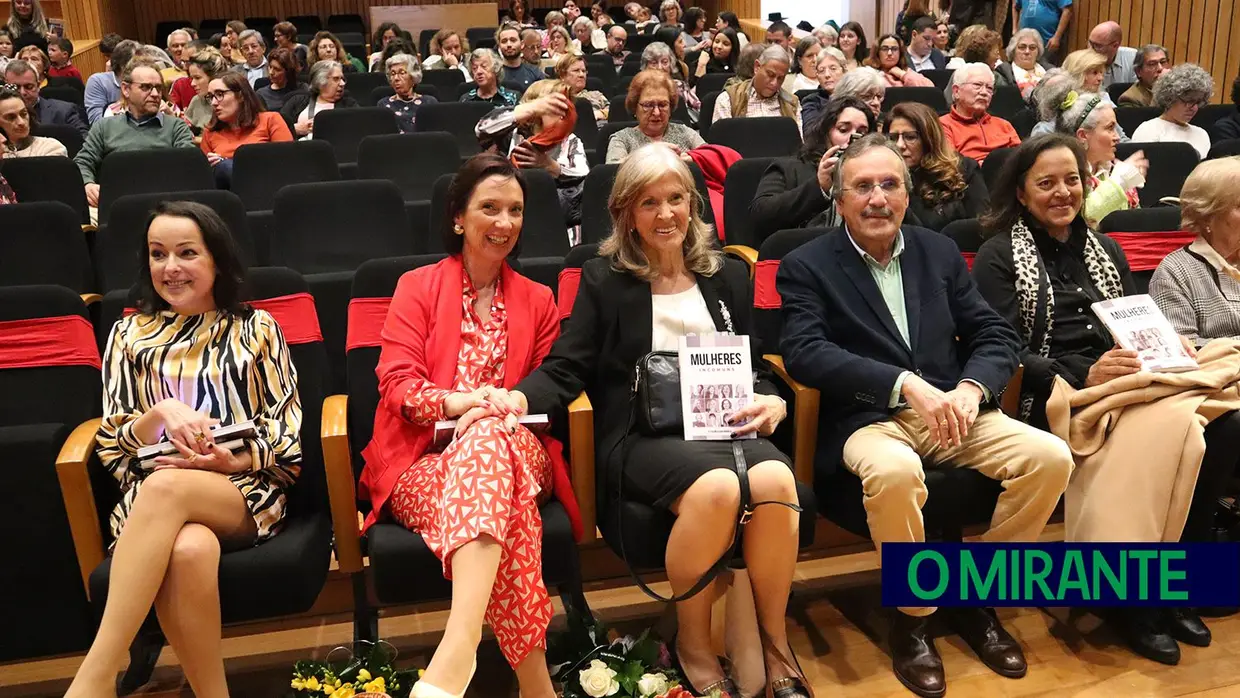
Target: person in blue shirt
x=104, y=89
x=1050, y=18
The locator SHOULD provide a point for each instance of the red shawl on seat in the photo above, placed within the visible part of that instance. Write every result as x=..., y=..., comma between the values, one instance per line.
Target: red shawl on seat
x=714, y=161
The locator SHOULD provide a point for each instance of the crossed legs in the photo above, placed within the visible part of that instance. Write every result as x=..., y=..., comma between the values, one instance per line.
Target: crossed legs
x=168, y=555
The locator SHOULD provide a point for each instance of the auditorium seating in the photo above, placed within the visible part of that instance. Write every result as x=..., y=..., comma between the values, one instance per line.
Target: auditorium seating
x=344, y=129
x=758, y=136
x=43, y=243
x=994, y=163
x=262, y=169
x=942, y=79
x=48, y=179
x=1007, y=102
x=930, y=96
x=161, y=170
x=739, y=188
x=1170, y=165
x=457, y=118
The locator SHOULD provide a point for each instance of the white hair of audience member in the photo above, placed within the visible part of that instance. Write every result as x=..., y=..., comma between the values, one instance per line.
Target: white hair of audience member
x=827, y=35
x=1051, y=91
x=480, y=53
x=776, y=53
x=174, y=32
x=829, y=53
x=654, y=51
x=964, y=73
x=1180, y=82
x=410, y=63
x=1031, y=34
x=859, y=82
x=667, y=5
x=320, y=73
x=251, y=34
x=156, y=54
x=583, y=21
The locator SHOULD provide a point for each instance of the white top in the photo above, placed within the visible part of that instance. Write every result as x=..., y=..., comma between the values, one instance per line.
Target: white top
x=795, y=82
x=41, y=146
x=305, y=114
x=1160, y=130
x=676, y=315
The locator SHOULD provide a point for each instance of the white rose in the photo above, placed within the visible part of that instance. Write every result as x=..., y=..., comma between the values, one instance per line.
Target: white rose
x=599, y=680
x=652, y=685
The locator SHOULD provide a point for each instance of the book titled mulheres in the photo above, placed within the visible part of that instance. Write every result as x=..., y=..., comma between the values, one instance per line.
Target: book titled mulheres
x=716, y=381
x=1138, y=325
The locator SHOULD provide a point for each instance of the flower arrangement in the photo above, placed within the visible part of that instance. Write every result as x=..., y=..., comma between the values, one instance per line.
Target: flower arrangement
x=366, y=671
x=590, y=660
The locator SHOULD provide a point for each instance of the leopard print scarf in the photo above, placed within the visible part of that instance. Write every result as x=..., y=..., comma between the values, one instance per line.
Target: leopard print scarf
x=1032, y=281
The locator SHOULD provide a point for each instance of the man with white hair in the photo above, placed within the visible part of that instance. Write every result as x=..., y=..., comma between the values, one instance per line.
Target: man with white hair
x=178, y=40
x=1106, y=38
x=1149, y=65
x=764, y=94
x=973, y=131
x=254, y=48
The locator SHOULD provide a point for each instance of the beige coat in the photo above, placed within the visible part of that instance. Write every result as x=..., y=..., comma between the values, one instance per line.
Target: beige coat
x=1138, y=443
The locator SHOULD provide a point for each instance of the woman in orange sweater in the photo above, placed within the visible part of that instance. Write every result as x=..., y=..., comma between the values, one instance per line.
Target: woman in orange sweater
x=239, y=120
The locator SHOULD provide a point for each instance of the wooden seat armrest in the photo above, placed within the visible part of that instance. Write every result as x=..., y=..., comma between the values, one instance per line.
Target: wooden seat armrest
x=72, y=471
x=805, y=421
x=747, y=254
x=1009, y=399
x=89, y=298
x=341, y=489
x=581, y=460
x=89, y=228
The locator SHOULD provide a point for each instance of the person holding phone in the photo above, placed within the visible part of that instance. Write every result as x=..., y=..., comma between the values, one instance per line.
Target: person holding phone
x=794, y=192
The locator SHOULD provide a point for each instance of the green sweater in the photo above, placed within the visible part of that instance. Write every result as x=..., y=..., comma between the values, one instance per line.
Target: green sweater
x=121, y=132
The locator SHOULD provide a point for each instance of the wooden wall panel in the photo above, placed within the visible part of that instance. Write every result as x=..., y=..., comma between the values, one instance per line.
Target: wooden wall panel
x=1194, y=31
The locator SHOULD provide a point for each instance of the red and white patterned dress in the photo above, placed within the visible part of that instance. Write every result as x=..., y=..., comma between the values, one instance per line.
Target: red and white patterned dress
x=487, y=482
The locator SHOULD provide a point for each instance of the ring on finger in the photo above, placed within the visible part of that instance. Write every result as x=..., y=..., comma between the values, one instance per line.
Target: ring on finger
x=200, y=437
x=192, y=457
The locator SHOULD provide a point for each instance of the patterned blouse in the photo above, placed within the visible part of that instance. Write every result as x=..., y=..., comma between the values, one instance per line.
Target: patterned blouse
x=234, y=369
x=406, y=110
x=6, y=192
x=504, y=97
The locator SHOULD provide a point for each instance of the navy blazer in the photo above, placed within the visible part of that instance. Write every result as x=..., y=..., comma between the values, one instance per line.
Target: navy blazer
x=936, y=57
x=55, y=111
x=839, y=337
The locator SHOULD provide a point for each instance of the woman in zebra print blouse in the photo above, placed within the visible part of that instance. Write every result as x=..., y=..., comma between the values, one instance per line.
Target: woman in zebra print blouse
x=193, y=356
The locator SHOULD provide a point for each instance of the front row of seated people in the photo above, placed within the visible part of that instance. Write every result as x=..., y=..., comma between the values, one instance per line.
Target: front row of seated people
x=910, y=353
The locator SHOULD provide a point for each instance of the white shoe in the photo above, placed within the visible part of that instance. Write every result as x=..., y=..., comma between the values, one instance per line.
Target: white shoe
x=423, y=689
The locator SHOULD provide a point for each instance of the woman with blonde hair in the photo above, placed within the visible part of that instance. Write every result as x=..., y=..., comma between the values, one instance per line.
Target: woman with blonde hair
x=559, y=44
x=1089, y=67
x=946, y=185
x=659, y=277
x=27, y=25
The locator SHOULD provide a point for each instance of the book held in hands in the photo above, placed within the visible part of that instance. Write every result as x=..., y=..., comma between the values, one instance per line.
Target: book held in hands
x=231, y=438
x=1138, y=325
x=446, y=428
x=716, y=381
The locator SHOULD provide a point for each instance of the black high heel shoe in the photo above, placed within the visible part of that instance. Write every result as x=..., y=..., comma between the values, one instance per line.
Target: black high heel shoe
x=791, y=687
x=726, y=686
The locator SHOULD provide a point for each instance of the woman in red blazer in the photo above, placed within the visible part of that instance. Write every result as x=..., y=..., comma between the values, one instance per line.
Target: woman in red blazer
x=458, y=335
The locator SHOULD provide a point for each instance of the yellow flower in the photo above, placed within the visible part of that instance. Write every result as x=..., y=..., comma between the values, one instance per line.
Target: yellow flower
x=1069, y=100
x=311, y=684
x=297, y=684
x=345, y=691
x=363, y=675
x=376, y=686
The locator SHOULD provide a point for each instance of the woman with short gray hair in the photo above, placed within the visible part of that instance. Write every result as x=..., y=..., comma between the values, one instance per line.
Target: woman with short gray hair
x=326, y=92
x=827, y=35
x=1180, y=92
x=1024, y=51
x=803, y=72
x=865, y=84
x=404, y=74
x=485, y=66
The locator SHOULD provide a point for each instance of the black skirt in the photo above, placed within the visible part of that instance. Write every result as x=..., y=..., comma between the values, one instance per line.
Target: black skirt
x=658, y=469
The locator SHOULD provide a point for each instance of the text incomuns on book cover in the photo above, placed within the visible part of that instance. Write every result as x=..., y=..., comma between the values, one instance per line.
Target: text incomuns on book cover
x=716, y=381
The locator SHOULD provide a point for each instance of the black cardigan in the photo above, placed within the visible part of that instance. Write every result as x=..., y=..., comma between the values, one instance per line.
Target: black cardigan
x=610, y=329
x=974, y=202
x=788, y=196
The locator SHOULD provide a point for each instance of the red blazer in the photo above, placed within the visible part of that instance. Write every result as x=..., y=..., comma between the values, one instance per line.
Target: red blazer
x=422, y=339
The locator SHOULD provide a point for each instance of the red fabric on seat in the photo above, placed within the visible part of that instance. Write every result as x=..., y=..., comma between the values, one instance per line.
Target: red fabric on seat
x=566, y=291
x=765, y=295
x=296, y=315
x=714, y=161
x=366, y=316
x=1145, y=250
x=67, y=340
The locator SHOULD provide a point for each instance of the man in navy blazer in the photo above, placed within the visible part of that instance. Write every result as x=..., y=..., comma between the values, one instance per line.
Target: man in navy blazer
x=45, y=111
x=885, y=320
x=922, y=55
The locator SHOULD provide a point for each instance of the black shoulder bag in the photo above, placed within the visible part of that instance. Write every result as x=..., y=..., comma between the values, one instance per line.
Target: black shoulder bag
x=656, y=411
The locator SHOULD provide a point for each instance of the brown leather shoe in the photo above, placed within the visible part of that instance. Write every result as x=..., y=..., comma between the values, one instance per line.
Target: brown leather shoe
x=981, y=630
x=913, y=657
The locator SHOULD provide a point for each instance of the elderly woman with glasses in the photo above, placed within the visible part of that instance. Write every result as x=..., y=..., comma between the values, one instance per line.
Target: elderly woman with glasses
x=403, y=74
x=651, y=97
x=1180, y=92
x=661, y=56
x=326, y=92
x=1024, y=51
x=865, y=84
x=486, y=67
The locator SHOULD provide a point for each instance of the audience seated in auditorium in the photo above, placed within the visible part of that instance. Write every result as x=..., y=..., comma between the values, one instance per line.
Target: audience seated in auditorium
x=286, y=38
x=516, y=70
x=865, y=84
x=141, y=127
x=922, y=55
x=206, y=65
x=728, y=18
x=104, y=89
x=573, y=71
x=531, y=48
x=6, y=192
x=554, y=19
x=448, y=50
x=404, y=74
x=230, y=43
x=793, y=192
x=254, y=48
x=1112, y=184
x=1050, y=19
x=680, y=283
x=696, y=34
x=27, y=25
x=830, y=69
x=674, y=39
x=617, y=36
x=178, y=512
x=827, y=34
x=326, y=91
x=176, y=44
x=946, y=186
x=762, y=95
x=1025, y=53
x=889, y=412
x=718, y=57
x=1037, y=227
x=499, y=326
x=651, y=98
x=1228, y=127
x=16, y=138
x=1198, y=287
x=1107, y=39
x=559, y=44
x=972, y=131
x=22, y=76
x=975, y=40
x=669, y=14
x=585, y=34
x=326, y=46
x=658, y=56
x=7, y=51
x=60, y=60
x=239, y=119
x=1180, y=92
x=852, y=43
x=803, y=73
x=282, y=71
x=182, y=91
x=598, y=13
x=384, y=34
x=1150, y=63
x=890, y=59
x=485, y=67
x=518, y=13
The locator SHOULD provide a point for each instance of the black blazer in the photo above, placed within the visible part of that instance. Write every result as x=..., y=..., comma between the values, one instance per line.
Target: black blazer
x=55, y=111
x=936, y=57
x=610, y=329
x=839, y=337
x=788, y=196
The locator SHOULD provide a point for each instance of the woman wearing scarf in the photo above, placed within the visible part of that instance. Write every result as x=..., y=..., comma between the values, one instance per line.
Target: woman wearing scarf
x=1042, y=269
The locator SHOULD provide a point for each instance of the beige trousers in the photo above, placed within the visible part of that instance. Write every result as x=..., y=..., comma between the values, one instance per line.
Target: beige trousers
x=1034, y=467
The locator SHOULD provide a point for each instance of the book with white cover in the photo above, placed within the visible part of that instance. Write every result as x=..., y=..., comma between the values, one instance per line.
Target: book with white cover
x=445, y=428
x=1138, y=325
x=223, y=435
x=716, y=380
